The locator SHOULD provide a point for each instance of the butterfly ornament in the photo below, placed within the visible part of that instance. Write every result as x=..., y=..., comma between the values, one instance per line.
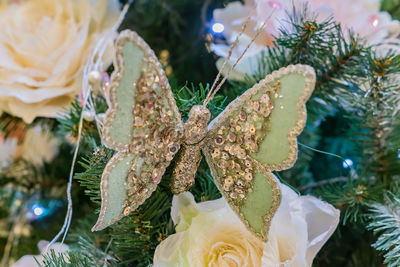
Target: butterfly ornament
x=255, y=135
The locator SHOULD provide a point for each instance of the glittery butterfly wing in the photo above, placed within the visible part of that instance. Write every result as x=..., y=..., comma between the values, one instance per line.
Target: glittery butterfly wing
x=143, y=125
x=256, y=134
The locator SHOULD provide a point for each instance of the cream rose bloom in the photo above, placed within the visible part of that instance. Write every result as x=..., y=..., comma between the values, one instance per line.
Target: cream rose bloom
x=210, y=234
x=43, y=47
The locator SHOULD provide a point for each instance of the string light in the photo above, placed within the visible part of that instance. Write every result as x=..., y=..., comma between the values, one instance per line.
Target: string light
x=275, y=5
x=374, y=21
x=218, y=27
x=38, y=211
x=347, y=163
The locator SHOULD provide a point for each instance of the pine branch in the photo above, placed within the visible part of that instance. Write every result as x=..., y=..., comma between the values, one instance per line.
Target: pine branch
x=93, y=169
x=187, y=97
x=391, y=6
x=69, y=122
x=147, y=227
x=82, y=252
x=11, y=126
x=374, y=113
x=352, y=198
x=70, y=259
x=385, y=222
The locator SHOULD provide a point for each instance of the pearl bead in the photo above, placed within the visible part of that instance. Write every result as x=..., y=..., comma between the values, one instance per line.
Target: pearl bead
x=94, y=77
x=88, y=116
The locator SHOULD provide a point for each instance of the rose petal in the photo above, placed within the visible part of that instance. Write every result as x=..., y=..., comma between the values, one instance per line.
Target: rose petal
x=51, y=108
x=299, y=229
x=168, y=251
x=322, y=220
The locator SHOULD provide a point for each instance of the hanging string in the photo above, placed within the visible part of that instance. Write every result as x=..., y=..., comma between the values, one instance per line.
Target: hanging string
x=213, y=90
x=94, y=63
x=283, y=181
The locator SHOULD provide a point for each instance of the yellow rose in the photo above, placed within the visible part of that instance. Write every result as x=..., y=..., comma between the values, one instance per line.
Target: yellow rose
x=209, y=234
x=44, y=45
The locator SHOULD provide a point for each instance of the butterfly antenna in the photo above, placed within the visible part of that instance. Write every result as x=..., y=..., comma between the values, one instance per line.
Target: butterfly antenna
x=234, y=44
x=214, y=89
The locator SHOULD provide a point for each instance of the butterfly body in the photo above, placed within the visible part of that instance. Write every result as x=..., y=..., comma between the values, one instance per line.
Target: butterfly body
x=189, y=159
x=255, y=135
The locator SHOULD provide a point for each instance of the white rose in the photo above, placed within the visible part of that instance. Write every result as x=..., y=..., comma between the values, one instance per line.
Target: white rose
x=43, y=47
x=210, y=234
x=30, y=260
x=362, y=16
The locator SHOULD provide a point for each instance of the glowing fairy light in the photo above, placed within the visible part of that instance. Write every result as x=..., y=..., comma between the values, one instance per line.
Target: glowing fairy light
x=347, y=163
x=218, y=27
x=38, y=211
x=275, y=5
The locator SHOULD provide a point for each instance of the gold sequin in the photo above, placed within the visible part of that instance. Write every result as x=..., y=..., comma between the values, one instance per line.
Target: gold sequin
x=219, y=140
x=265, y=112
x=221, y=164
x=231, y=164
x=248, y=176
x=233, y=195
x=232, y=150
x=229, y=180
x=264, y=98
x=255, y=105
x=242, y=115
x=248, y=164
x=224, y=155
x=216, y=153
x=252, y=129
x=227, y=187
x=240, y=182
x=231, y=137
x=241, y=153
x=239, y=190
